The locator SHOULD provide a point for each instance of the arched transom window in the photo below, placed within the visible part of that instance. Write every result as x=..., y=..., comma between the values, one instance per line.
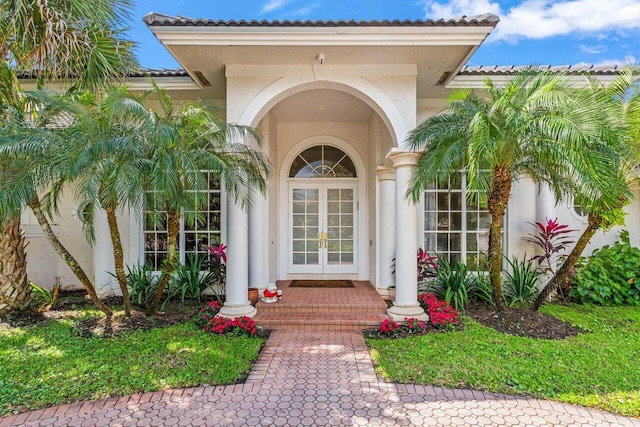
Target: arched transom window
x=322, y=161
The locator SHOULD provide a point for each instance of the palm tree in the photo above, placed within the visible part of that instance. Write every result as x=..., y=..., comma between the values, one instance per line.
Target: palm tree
x=185, y=143
x=617, y=107
x=54, y=39
x=26, y=173
x=532, y=126
x=103, y=158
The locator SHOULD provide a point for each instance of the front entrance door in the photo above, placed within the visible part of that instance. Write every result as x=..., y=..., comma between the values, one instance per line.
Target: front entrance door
x=323, y=227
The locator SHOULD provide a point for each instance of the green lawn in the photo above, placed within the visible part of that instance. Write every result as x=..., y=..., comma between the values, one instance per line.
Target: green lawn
x=46, y=365
x=598, y=368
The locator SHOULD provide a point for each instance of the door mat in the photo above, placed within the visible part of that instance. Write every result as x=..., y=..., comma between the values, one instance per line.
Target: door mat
x=321, y=284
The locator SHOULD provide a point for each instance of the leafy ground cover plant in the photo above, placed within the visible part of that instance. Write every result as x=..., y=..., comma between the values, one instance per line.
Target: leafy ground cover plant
x=610, y=276
x=597, y=369
x=522, y=279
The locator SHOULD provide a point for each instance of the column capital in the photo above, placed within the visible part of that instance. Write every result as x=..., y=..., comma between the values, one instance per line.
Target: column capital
x=385, y=173
x=400, y=157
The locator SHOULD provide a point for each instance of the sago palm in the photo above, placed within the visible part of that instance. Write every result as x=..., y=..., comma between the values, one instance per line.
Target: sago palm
x=532, y=126
x=186, y=142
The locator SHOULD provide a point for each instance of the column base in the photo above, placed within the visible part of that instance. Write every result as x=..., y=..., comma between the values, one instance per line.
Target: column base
x=398, y=313
x=233, y=311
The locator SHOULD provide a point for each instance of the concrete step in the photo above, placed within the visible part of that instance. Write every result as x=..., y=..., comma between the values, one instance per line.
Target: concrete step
x=314, y=322
x=320, y=308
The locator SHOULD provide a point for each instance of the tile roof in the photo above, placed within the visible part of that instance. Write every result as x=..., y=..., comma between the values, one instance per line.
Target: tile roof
x=158, y=19
x=158, y=72
x=493, y=70
x=143, y=72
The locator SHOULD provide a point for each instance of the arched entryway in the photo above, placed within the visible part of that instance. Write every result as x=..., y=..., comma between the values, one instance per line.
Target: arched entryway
x=322, y=188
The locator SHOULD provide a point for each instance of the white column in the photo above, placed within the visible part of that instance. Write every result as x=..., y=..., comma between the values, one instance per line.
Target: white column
x=259, y=242
x=545, y=203
x=103, y=263
x=406, y=302
x=386, y=226
x=237, y=303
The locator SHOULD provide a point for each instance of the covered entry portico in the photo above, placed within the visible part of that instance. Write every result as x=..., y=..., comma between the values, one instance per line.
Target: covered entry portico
x=358, y=88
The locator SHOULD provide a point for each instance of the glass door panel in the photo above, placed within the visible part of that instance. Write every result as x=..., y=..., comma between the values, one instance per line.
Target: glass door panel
x=322, y=231
x=305, y=228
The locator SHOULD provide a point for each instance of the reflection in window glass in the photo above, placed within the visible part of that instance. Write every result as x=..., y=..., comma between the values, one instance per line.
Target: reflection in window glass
x=456, y=222
x=322, y=161
x=194, y=239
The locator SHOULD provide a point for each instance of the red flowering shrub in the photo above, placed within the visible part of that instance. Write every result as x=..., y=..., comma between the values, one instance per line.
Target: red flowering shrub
x=237, y=326
x=440, y=312
x=388, y=327
x=207, y=313
x=410, y=326
x=415, y=326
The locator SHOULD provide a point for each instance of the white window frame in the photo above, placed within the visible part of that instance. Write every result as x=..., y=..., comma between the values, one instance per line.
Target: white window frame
x=182, y=232
x=463, y=230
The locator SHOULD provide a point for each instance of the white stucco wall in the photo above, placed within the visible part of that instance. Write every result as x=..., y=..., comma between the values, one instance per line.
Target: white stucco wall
x=44, y=266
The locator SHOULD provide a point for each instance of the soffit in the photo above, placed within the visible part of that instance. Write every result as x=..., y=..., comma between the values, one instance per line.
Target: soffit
x=321, y=105
x=432, y=61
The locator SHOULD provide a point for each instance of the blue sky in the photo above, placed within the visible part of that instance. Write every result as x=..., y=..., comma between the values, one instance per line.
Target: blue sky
x=530, y=32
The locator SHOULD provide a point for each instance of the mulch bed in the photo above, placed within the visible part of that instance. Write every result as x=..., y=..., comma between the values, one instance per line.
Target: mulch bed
x=70, y=301
x=523, y=322
x=119, y=323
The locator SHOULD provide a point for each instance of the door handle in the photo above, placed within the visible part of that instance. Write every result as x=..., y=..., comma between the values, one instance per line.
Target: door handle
x=322, y=240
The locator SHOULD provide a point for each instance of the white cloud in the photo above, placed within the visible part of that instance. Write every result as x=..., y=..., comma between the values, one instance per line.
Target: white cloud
x=593, y=50
x=537, y=19
x=629, y=59
x=272, y=5
x=303, y=11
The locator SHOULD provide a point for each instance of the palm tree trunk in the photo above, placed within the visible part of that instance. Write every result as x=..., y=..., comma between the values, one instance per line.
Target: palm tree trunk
x=173, y=229
x=15, y=292
x=118, y=257
x=497, y=205
x=563, y=272
x=75, y=267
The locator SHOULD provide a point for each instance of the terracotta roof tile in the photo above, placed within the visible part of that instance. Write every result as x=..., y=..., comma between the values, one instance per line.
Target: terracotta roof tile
x=157, y=19
x=493, y=70
x=143, y=72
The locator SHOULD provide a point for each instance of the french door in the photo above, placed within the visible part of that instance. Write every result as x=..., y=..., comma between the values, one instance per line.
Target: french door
x=323, y=227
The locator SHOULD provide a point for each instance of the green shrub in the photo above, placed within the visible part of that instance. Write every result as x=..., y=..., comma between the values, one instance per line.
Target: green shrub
x=452, y=283
x=142, y=285
x=522, y=278
x=481, y=291
x=189, y=280
x=610, y=276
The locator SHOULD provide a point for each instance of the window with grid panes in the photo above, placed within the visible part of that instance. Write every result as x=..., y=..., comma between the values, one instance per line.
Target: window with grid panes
x=194, y=239
x=456, y=223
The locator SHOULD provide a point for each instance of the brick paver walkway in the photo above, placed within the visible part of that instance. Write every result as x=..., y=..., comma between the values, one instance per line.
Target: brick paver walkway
x=318, y=379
